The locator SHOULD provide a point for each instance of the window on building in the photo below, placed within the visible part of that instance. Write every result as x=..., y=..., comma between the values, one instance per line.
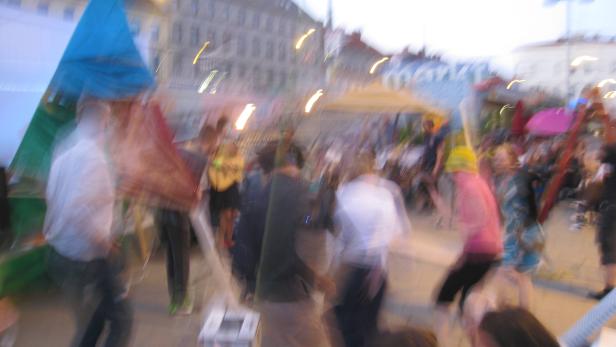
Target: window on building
x=256, y=47
x=282, y=51
x=197, y=70
x=256, y=76
x=194, y=7
x=241, y=16
x=69, y=13
x=195, y=40
x=282, y=27
x=283, y=79
x=177, y=64
x=177, y=4
x=256, y=20
x=294, y=57
x=42, y=7
x=241, y=46
x=293, y=79
x=177, y=33
x=226, y=41
x=269, y=26
x=229, y=70
x=211, y=9
x=225, y=11
x=15, y=3
x=270, y=78
x=241, y=71
x=269, y=50
x=211, y=36
x=613, y=70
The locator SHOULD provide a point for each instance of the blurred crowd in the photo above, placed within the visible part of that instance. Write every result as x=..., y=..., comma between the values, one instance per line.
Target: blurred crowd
x=308, y=232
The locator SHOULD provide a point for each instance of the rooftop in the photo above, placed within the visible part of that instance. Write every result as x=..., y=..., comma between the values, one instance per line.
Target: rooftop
x=576, y=40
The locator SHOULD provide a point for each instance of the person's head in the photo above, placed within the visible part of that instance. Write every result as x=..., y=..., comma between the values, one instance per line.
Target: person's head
x=208, y=138
x=462, y=159
x=266, y=157
x=363, y=164
x=409, y=337
x=288, y=155
x=513, y=327
x=428, y=126
x=93, y=116
x=222, y=124
x=230, y=149
x=610, y=132
x=505, y=159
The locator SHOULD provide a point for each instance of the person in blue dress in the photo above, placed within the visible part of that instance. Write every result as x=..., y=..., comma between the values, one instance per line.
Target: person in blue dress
x=523, y=238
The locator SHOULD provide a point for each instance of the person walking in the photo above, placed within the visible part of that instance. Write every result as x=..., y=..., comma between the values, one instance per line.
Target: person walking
x=225, y=174
x=606, y=227
x=368, y=219
x=289, y=315
x=524, y=239
x=478, y=221
x=80, y=200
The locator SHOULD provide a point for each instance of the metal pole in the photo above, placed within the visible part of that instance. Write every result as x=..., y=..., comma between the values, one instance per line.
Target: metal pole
x=569, y=93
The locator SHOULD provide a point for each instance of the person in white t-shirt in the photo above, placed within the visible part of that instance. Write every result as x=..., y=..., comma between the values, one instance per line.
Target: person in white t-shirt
x=369, y=214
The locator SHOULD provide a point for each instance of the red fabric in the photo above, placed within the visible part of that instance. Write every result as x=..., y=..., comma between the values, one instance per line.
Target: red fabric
x=553, y=187
x=518, y=123
x=147, y=162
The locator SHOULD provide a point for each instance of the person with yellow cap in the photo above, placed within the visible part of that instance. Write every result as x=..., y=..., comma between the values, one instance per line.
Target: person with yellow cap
x=478, y=220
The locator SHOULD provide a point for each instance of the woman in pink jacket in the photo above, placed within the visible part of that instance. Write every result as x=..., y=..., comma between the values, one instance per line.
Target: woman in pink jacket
x=478, y=220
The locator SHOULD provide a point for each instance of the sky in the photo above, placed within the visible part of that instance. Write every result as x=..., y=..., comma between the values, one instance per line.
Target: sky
x=464, y=28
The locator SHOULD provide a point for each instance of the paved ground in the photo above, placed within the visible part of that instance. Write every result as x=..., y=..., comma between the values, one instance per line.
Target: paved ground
x=418, y=263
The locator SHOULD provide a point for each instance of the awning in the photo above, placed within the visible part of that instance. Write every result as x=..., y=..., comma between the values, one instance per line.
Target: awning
x=376, y=98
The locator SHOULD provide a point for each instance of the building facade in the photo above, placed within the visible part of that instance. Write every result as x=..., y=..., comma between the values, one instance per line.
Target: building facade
x=225, y=52
x=545, y=66
x=349, y=59
x=209, y=54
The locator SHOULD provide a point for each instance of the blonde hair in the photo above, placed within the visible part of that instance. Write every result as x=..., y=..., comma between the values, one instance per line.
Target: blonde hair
x=511, y=153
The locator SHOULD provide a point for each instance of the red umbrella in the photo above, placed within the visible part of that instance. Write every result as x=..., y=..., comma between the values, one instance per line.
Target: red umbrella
x=549, y=122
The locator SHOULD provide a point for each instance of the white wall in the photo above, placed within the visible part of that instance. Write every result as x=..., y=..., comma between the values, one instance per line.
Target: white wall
x=32, y=46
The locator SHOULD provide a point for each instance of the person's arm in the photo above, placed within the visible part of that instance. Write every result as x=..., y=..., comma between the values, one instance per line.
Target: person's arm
x=440, y=153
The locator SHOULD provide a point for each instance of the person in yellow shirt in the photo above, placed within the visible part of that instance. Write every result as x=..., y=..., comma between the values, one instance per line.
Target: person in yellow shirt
x=225, y=173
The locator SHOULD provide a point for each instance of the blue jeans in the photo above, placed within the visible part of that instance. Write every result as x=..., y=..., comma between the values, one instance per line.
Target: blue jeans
x=97, y=296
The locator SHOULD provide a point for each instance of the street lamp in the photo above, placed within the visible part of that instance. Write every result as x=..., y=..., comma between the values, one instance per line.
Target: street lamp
x=582, y=59
x=207, y=81
x=205, y=44
x=510, y=85
x=610, y=95
x=313, y=99
x=244, y=116
x=605, y=82
x=377, y=63
x=301, y=40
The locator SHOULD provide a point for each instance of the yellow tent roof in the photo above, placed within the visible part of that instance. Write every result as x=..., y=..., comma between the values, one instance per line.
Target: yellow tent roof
x=379, y=99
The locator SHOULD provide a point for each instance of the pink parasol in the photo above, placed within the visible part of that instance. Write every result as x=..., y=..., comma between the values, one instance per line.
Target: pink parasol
x=549, y=122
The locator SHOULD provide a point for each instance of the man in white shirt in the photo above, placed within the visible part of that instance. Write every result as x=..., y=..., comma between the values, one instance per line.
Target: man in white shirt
x=78, y=225
x=369, y=213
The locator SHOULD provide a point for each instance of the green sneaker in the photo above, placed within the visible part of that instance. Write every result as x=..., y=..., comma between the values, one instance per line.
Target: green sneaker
x=173, y=309
x=186, y=308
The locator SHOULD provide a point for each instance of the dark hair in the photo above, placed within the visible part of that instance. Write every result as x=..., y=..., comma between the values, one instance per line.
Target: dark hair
x=410, y=337
x=516, y=327
x=222, y=122
x=266, y=157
